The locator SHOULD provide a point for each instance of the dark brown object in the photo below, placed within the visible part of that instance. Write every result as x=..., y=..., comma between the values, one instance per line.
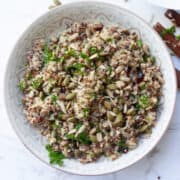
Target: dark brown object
x=98, y=27
x=173, y=16
x=178, y=78
x=169, y=39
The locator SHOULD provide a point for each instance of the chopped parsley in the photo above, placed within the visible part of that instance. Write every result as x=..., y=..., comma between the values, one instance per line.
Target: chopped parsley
x=143, y=86
x=56, y=124
x=54, y=98
x=70, y=137
x=145, y=58
x=170, y=30
x=48, y=55
x=78, y=126
x=76, y=68
x=37, y=83
x=139, y=43
x=81, y=138
x=178, y=37
x=122, y=146
x=55, y=156
x=22, y=85
x=153, y=60
x=86, y=112
x=84, y=56
x=110, y=70
x=110, y=40
x=93, y=50
x=61, y=59
x=71, y=53
x=143, y=101
x=59, y=116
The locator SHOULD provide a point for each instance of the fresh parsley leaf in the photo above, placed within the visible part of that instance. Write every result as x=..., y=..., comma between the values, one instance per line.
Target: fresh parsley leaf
x=93, y=50
x=22, y=85
x=29, y=75
x=142, y=87
x=54, y=98
x=84, y=56
x=55, y=156
x=153, y=60
x=143, y=101
x=48, y=55
x=78, y=126
x=86, y=112
x=178, y=37
x=37, y=83
x=110, y=40
x=83, y=138
x=71, y=53
x=170, y=30
x=70, y=137
x=59, y=116
x=139, y=43
x=110, y=70
x=61, y=59
x=123, y=146
x=145, y=57
x=137, y=106
x=76, y=68
x=56, y=124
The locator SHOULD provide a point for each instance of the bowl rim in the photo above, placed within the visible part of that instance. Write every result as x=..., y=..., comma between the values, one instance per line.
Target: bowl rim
x=71, y=4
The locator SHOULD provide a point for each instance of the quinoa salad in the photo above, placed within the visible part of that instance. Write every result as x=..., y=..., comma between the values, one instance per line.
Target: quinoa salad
x=93, y=91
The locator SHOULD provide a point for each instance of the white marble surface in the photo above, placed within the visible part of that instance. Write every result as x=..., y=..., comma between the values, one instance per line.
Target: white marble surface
x=16, y=163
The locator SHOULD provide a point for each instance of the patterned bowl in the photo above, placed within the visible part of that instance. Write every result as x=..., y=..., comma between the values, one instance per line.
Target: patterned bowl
x=57, y=20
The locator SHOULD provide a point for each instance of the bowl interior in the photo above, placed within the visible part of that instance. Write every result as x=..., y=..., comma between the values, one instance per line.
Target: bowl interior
x=56, y=21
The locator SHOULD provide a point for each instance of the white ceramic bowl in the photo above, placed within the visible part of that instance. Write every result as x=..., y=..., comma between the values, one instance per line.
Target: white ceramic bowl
x=57, y=20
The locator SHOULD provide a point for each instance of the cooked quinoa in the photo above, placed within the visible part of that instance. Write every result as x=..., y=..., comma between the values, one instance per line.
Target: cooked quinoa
x=93, y=90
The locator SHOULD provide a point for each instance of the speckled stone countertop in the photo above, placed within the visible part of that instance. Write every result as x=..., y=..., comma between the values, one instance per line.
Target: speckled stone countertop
x=16, y=163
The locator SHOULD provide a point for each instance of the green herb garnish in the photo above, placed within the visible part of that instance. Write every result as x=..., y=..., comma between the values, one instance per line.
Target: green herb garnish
x=37, y=83
x=110, y=40
x=48, y=55
x=84, y=56
x=81, y=138
x=55, y=156
x=145, y=57
x=59, y=116
x=93, y=50
x=61, y=59
x=178, y=37
x=71, y=53
x=78, y=126
x=70, y=137
x=22, y=85
x=139, y=43
x=56, y=124
x=76, y=68
x=137, y=107
x=153, y=60
x=86, y=112
x=123, y=146
x=170, y=30
x=110, y=70
x=142, y=87
x=54, y=98
x=144, y=101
